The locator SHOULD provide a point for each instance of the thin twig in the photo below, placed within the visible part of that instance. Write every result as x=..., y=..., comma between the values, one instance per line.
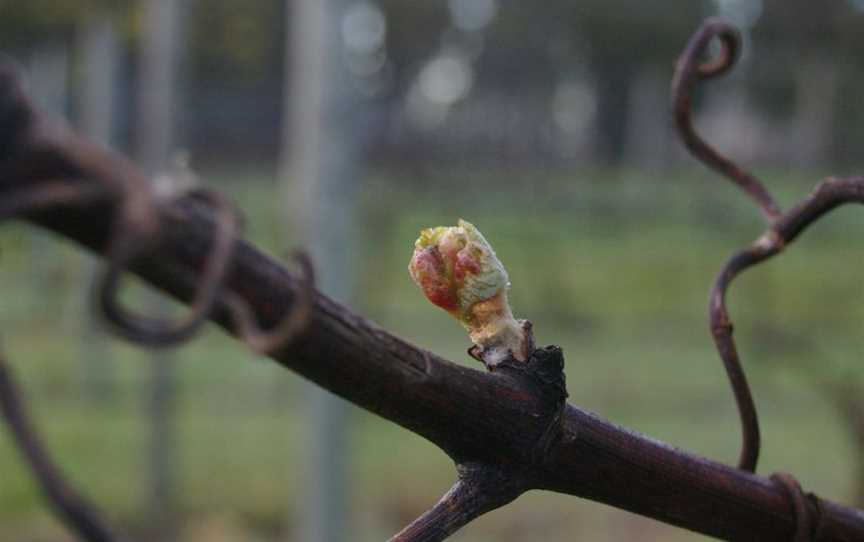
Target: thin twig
x=479, y=489
x=70, y=507
x=687, y=70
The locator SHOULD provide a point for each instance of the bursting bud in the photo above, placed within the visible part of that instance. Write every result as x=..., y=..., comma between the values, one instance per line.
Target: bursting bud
x=457, y=270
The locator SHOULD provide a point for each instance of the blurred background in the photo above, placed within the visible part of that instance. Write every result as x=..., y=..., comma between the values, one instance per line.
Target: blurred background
x=347, y=126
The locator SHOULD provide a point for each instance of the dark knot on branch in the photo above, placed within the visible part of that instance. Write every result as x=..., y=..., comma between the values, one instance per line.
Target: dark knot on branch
x=543, y=375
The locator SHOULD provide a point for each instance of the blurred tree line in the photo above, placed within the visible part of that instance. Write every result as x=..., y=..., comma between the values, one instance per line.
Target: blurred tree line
x=502, y=80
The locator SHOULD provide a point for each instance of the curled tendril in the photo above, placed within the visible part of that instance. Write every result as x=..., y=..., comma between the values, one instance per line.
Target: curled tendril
x=688, y=69
x=828, y=195
x=291, y=326
x=721, y=331
x=128, y=243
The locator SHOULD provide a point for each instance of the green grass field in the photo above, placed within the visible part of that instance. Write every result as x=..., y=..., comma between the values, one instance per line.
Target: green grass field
x=613, y=266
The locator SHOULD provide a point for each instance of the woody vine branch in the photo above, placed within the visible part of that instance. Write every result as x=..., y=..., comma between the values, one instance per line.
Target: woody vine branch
x=508, y=430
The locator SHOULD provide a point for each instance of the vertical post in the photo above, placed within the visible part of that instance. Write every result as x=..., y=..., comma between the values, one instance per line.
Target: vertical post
x=48, y=69
x=155, y=136
x=817, y=84
x=98, y=48
x=319, y=170
x=156, y=98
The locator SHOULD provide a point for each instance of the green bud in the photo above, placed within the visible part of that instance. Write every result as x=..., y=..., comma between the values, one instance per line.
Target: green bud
x=457, y=270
